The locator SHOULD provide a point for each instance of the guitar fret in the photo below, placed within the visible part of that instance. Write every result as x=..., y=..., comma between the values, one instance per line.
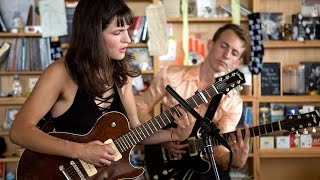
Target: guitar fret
x=162, y=120
x=195, y=102
x=145, y=130
x=208, y=94
x=154, y=126
x=268, y=128
x=135, y=137
x=141, y=132
x=158, y=124
x=203, y=98
x=128, y=140
x=174, y=108
x=126, y=143
x=279, y=125
x=165, y=113
x=131, y=139
x=148, y=124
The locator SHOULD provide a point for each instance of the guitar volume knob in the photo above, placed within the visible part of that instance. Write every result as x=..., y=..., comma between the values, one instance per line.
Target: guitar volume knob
x=165, y=172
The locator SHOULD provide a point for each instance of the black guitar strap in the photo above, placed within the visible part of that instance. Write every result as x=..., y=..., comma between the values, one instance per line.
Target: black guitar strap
x=212, y=108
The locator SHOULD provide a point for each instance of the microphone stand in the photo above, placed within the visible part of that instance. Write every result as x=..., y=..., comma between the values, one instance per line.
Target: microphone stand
x=210, y=129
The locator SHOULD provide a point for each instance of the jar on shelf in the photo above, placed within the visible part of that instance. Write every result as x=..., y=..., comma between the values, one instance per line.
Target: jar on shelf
x=16, y=86
x=17, y=23
x=293, y=79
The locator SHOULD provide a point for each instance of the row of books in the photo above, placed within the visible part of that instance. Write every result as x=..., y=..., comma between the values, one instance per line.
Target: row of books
x=26, y=54
x=138, y=29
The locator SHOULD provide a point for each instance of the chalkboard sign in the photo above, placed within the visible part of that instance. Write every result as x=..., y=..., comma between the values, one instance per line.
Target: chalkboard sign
x=270, y=78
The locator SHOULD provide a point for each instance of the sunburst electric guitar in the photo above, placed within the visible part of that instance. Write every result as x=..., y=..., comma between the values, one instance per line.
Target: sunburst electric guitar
x=112, y=128
x=195, y=161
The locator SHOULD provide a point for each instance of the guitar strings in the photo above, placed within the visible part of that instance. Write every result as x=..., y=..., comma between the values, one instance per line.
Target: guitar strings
x=73, y=173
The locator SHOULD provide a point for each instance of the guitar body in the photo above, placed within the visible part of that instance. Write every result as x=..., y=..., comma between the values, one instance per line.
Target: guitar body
x=161, y=163
x=33, y=165
x=173, y=168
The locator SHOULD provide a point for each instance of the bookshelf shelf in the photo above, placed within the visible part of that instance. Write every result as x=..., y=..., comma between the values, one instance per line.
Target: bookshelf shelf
x=147, y=72
x=202, y=20
x=290, y=153
x=20, y=72
x=140, y=45
x=291, y=44
x=12, y=100
x=248, y=98
x=10, y=159
x=297, y=99
x=12, y=35
x=4, y=133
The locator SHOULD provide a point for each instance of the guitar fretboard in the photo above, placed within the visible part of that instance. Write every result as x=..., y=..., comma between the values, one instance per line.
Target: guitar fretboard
x=144, y=131
x=290, y=123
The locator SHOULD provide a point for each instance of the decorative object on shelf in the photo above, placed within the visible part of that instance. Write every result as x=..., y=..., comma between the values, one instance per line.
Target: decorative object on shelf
x=257, y=48
x=172, y=8
x=271, y=23
x=312, y=76
x=10, y=116
x=264, y=114
x=271, y=78
x=283, y=142
x=293, y=79
x=304, y=27
x=267, y=142
x=286, y=32
x=16, y=86
x=141, y=58
x=10, y=175
x=17, y=24
x=206, y=8
x=247, y=86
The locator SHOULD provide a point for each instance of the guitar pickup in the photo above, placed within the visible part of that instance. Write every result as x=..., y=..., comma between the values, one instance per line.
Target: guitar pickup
x=192, y=146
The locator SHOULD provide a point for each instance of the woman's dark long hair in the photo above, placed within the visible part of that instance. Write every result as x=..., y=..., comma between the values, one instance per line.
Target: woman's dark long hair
x=87, y=59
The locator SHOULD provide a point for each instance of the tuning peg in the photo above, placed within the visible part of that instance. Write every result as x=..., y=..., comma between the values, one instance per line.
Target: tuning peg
x=155, y=177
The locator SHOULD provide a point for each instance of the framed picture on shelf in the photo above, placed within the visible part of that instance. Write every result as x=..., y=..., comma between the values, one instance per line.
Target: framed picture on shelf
x=270, y=79
x=271, y=24
x=10, y=116
x=312, y=76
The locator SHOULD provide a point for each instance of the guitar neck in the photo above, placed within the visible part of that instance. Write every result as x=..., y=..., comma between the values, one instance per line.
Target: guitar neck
x=222, y=84
x=144, y=131
x=254, y=131
x=290, y=123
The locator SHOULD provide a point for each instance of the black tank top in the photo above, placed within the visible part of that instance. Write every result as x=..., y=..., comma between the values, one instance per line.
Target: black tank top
x=84, y=112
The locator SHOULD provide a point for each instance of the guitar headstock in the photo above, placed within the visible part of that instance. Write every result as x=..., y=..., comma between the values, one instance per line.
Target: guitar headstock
x=295, y=122
x=226, y=83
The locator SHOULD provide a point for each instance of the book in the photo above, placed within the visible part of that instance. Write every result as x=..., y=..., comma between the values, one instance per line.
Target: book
x=3, y=27
x=4, y=51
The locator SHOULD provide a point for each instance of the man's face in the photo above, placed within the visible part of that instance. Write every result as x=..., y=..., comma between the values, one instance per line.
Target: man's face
x=225, y=53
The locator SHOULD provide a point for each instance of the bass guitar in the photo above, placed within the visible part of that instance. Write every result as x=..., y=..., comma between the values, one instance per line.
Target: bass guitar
x=112, y=128
x=195, y=161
